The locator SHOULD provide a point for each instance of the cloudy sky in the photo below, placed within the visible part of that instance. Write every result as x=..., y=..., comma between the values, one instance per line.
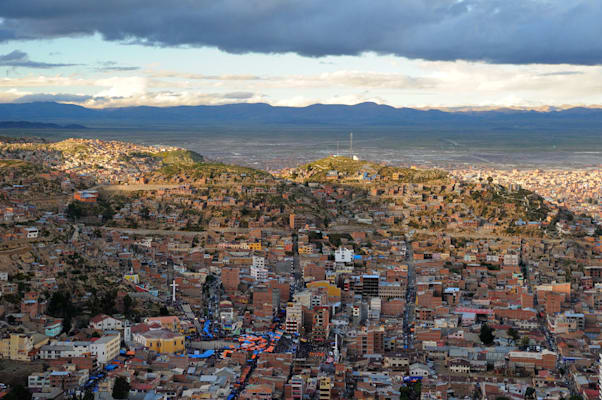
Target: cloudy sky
x=406, y=53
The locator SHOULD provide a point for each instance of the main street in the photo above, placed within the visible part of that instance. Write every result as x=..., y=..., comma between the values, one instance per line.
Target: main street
x=408, y=316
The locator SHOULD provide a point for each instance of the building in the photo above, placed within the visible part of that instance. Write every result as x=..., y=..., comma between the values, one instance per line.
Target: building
x=31, y=232
x=324, y=387
x=294, y=318
x=106, y=348
x=86, y=196
x=105, y=322
x=230, y=279
x=343, y=255
x=297, y=221
x=162, y=341
x=21, y=346
x=370, y=285
x=258, y=269
x=257, y=392
x=532, y=360
x=53, y=329
x=566, y=322
x=368, y=342
x=170, y=322
x=321, y=324
x=297, y=385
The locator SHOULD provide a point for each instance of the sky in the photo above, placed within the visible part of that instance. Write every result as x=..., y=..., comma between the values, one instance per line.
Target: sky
x=404, y=53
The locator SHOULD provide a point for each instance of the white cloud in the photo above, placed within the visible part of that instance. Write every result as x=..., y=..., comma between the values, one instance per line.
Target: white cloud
x=122, y=86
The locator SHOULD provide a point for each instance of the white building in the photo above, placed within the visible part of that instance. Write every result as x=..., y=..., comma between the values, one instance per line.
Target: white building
x=343, y=255
x=105, y=322
x=258, y=269
x=418, y=369
x=375, y=307
x=106, y=348
x=32, y=232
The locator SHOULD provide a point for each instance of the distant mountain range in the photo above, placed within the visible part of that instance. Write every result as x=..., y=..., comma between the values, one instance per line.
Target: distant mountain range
x=259, y=114
x=36, y=125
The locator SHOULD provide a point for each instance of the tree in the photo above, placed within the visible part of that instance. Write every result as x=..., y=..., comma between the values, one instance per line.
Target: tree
x=121, y=388
x=513, y=333
x=128, y=304
x=524, y=342
x=486, y=335
x=19, y=392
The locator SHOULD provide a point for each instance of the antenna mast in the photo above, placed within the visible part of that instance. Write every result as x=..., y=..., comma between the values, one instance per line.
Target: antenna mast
x=351, y=145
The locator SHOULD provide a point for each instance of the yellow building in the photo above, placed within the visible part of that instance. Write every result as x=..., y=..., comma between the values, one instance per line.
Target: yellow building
x=332, y=290
x=324, y=385
x=164, y=341
x=21, y=347
x=306, y=249
x=255, y=246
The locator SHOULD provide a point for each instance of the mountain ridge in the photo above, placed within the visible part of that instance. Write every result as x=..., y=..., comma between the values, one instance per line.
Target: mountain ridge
x=362, y=114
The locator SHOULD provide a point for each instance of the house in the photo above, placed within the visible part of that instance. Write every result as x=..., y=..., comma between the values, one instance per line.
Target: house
x=418, y=369
x=31, y=232
x=103, y=322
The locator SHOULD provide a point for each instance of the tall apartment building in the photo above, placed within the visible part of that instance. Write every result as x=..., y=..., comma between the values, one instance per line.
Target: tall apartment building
x=370, y=285
x=294, y=318
x=324, y=387
x=321, y=324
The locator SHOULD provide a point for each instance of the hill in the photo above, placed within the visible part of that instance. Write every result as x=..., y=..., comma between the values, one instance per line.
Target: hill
x=346, y=170
x=36, y=125
x=259, y=114
x=185, y=157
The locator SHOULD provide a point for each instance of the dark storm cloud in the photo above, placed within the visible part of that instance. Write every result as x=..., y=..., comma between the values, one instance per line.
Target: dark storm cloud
x=500, y=31
x=17, y=58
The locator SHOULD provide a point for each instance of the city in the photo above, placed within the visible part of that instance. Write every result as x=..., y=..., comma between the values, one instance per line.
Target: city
x=150, y=270
x=301, y=200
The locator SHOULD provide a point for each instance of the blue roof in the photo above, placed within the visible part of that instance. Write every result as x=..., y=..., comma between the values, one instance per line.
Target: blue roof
x=206, y=354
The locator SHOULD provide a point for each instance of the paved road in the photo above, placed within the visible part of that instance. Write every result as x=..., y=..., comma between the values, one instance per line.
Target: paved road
x=134, y=188
x=408, y=316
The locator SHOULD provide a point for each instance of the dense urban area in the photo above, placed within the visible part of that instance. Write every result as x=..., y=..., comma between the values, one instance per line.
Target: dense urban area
x=152, y=273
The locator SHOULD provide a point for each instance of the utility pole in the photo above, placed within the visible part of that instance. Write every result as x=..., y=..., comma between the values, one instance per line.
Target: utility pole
x=351, y=145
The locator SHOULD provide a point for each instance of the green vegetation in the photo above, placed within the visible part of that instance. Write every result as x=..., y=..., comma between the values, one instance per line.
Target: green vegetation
x=486, y=335
x=69, y=147
x=513, y=333
x=179, y=157
x=23, y=168
x=19, y=392
x=77, y=209
x=121, y=388
x=61, y=306
x=349, y=169
x=410, y=391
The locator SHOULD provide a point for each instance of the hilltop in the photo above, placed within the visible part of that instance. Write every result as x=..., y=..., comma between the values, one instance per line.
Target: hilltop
x=346, y=170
